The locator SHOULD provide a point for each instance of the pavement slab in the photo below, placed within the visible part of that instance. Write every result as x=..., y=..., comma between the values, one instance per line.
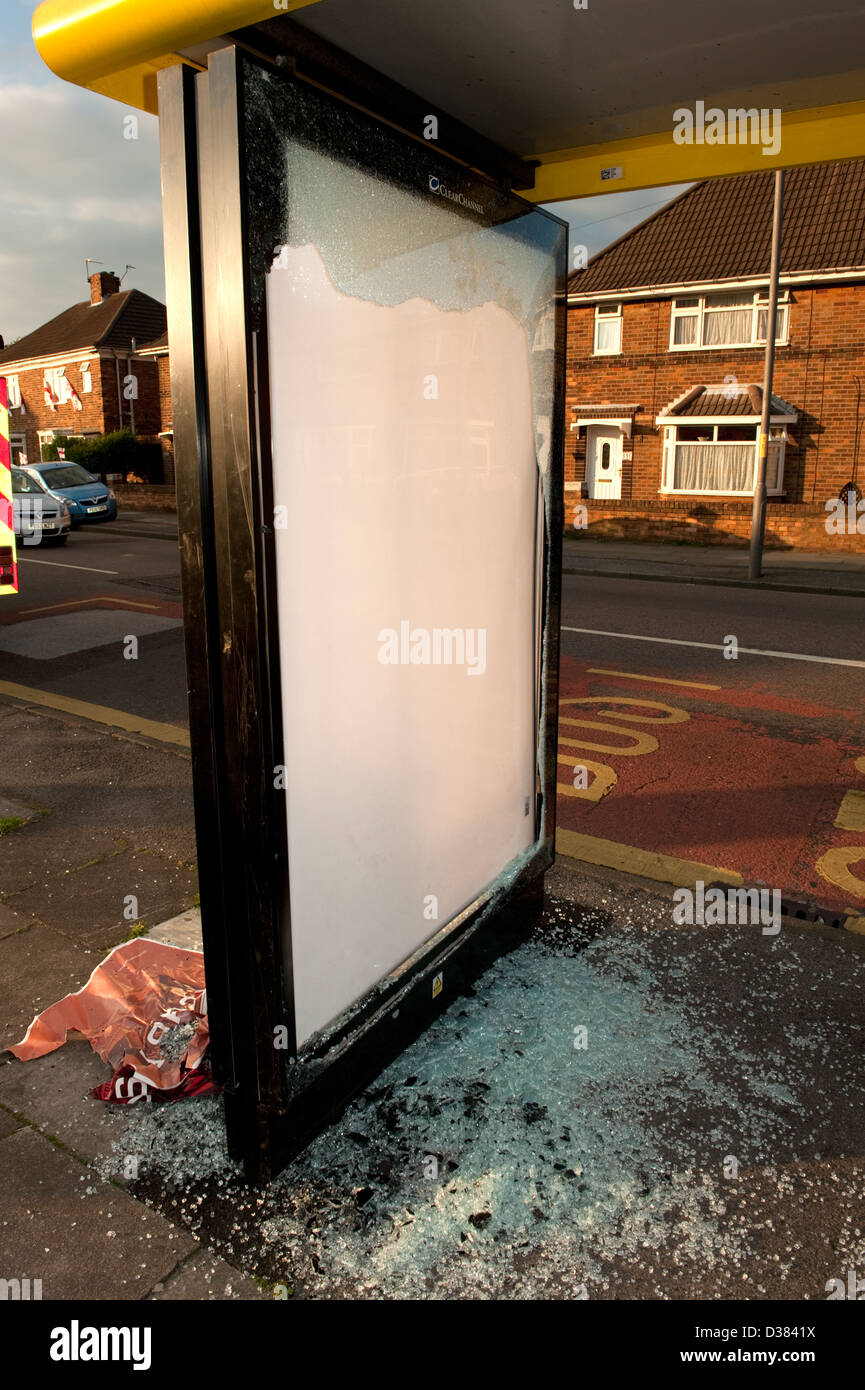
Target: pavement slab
x=16, y=810
x=839, y=572
x=47, y=852
x=62, y=761
x=205, y=1278
x=12, y=922
x=38, y=967
x=8, y=1123
x=89, y=903
x=84, y=1238
x=184, y=931
x=53, y=1093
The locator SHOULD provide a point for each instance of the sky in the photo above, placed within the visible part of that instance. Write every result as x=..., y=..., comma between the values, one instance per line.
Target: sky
x=71, y=187
x=74, y=186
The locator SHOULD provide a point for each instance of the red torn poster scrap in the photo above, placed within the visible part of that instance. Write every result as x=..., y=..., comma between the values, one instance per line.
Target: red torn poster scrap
x=144, y=1011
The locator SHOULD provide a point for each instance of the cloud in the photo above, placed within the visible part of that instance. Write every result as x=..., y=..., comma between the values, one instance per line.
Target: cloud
x=73, y=186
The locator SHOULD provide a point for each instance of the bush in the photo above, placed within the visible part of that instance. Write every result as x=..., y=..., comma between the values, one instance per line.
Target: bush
x=118, y=452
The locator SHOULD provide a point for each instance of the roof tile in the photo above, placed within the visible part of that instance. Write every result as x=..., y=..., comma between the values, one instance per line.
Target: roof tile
x=112, y=324
x=721, y=229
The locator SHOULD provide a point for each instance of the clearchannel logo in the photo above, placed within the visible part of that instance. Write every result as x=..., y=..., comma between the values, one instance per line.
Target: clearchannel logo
x=436, y=186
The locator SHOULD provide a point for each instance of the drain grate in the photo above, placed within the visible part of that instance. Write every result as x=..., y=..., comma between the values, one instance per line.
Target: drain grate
x=812, y=912
x=799, y=909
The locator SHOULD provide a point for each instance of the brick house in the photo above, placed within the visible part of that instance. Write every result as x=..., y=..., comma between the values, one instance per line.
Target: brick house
x=666, y=336
x=89, y=371
x=157, y=351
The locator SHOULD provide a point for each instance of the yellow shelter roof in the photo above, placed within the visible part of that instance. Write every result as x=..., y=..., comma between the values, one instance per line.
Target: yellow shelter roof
x=589, y=88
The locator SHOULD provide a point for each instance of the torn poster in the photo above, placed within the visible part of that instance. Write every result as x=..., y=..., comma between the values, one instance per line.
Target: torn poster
x=143, y=1010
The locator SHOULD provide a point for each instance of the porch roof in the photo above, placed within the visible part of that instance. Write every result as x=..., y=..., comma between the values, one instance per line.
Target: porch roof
x=741, y=401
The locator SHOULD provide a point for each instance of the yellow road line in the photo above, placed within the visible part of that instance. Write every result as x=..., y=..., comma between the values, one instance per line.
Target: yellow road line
x=99, y=714
x=682, y=873
x=835, y=866
x=656, y=680
x=851, y=813
x=79, y=603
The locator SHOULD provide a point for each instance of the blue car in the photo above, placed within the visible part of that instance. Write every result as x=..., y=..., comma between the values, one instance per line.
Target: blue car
x=87, y=498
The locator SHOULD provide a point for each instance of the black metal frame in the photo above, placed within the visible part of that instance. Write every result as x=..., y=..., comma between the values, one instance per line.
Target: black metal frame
x=276, y=1102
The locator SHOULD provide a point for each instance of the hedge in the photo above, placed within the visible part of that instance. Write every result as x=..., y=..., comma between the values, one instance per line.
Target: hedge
x=118, y=452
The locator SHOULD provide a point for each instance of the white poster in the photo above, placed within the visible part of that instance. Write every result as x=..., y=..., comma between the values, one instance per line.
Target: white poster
x=406, y=492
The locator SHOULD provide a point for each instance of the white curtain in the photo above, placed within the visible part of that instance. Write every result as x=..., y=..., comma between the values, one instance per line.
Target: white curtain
x=609, y=330
x=714, y=467
x=726, y=326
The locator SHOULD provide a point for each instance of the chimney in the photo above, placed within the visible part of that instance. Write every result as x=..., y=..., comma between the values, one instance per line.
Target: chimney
x=102, y=284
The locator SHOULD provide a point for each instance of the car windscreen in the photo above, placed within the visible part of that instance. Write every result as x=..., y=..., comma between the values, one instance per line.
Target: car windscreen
x=73, y=475
x=22, y=482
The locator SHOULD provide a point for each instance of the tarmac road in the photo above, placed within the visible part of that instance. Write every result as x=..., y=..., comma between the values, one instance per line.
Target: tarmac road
x=65, y=631
x=698, y=762
x=719, y=729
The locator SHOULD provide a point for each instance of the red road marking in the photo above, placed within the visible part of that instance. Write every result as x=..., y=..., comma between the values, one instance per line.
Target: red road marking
x=722, y=789
x=160, y=608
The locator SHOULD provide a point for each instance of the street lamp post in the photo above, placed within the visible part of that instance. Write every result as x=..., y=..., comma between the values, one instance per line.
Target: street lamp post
x=758, y=515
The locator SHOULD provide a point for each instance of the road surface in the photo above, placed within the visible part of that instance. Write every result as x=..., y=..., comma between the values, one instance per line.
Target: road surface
x=67, y=629
x=716, y=727
x=705, y=731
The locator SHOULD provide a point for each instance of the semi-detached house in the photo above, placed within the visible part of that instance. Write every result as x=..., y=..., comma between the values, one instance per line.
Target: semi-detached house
x=666, y=339
x=97, y=367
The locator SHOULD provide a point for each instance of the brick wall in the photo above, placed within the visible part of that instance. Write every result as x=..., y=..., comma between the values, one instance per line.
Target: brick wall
x=101, y=412
x=710, y=522
x=149, y=497
x=165, y=417
x=816, y=371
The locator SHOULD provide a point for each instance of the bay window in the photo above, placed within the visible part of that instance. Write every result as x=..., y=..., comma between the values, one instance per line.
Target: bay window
x=720, y=459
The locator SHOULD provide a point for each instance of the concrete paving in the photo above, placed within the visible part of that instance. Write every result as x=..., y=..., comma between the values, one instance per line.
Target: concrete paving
x=798, y=571
x=64, y=878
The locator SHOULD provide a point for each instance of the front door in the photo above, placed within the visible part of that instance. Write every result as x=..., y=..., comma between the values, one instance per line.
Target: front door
x=604, y=461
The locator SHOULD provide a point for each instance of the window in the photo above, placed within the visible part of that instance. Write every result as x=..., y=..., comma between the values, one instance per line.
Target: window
x=18, y=449
x=47, y=437
x=25, y=483
x=608, y=329
x=720, y=459
x=86, y=383
x=726, y=320
x=55, y=378
x=13, y=389
x=72, y=475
